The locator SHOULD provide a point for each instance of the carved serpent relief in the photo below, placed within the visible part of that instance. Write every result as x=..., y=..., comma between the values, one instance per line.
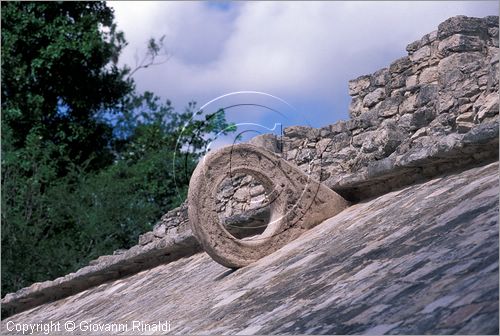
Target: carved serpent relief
x=297, y=203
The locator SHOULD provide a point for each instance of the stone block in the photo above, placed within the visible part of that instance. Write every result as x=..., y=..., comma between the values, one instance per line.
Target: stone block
x=296, y=131
x=428, y=75
x=411, y=81
x=358, y=85
x=360, y=139
x=421, y=54
x=374, y=97
x=356, y=107
x=458, y=60
x=460, y=43
x=482, y=134
x=339, y=127
x=486, y=106
x=397, y=81
x=380, y=167
x=464, y=126
x=400, y=65
x=467, y=88
x=389, y=107
x=381, y=77
x=428, y=93
x=146, y=238
x=412, y=47
x=408, y=104
x=462, y=25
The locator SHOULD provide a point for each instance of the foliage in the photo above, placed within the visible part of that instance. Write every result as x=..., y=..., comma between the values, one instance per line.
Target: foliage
x=88, y=163
x=59, y=75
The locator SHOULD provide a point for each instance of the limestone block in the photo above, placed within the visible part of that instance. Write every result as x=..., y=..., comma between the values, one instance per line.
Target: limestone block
x=458, y=60
x=374, y=97
x=493, y=32
x=381, y=77
x=400, y=65
x=296, y=131
x=486, y=106
x=397, y=81
x=339, y=127
x=421, y=54
x=469, y=116
x=460, y=43
x=462, y=25
x=356, y=107
x=408, y=104
x=297, y=203
x=467, y=88
x=389, y=106
x=429, y=75
x=427, y=94
x=361, y=138
x=464, y=126
x=411, y=81
x=356, y=86
x=412, y=47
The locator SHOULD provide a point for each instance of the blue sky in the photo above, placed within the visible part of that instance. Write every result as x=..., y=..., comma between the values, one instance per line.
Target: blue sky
x=303, y=53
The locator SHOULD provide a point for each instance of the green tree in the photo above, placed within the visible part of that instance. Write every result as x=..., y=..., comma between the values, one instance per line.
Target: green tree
x=88, y=163
x=60, y=77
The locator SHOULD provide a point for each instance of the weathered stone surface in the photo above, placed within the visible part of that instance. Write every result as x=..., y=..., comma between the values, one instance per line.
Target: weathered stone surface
x=297, y=203
x=411, y=81
x=420, y=260
x=359, y=84
x=460, y=43
x=446, y=102
x=463, y=25
x=381, y=77
x=389, y=107
x=400, y=65
x=408, y=104
x=421, y=54
x=374, y=97
x=428, y=93
x=428, y=75
x=296, y=131
x=465, y=122
x=106, y=268
x=486, y=106
x=269, y=142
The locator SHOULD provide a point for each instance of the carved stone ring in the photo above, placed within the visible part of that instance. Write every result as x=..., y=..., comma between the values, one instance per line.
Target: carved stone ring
x=297, y=203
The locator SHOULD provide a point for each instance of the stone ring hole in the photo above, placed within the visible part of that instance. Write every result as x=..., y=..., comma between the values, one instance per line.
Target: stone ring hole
x=243, y=205
x=293, y=204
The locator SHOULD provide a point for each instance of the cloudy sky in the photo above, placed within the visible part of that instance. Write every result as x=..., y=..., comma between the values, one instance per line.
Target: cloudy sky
x=302, y=53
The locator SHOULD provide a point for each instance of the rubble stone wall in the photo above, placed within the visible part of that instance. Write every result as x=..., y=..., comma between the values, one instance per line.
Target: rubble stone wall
x=431, y=111
x=427, y=112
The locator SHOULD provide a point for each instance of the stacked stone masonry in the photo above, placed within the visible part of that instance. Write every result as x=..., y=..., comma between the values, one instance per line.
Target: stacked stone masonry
x=428, y=107
x=429, y=112
x=433, y=111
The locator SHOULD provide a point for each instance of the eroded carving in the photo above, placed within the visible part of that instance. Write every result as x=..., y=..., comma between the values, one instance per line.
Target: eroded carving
x=297, y=203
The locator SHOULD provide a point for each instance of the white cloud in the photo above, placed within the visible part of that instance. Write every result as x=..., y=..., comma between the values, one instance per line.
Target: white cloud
x=302, y=52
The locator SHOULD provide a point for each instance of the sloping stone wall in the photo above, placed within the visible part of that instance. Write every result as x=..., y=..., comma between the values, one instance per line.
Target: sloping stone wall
x=420, y=260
